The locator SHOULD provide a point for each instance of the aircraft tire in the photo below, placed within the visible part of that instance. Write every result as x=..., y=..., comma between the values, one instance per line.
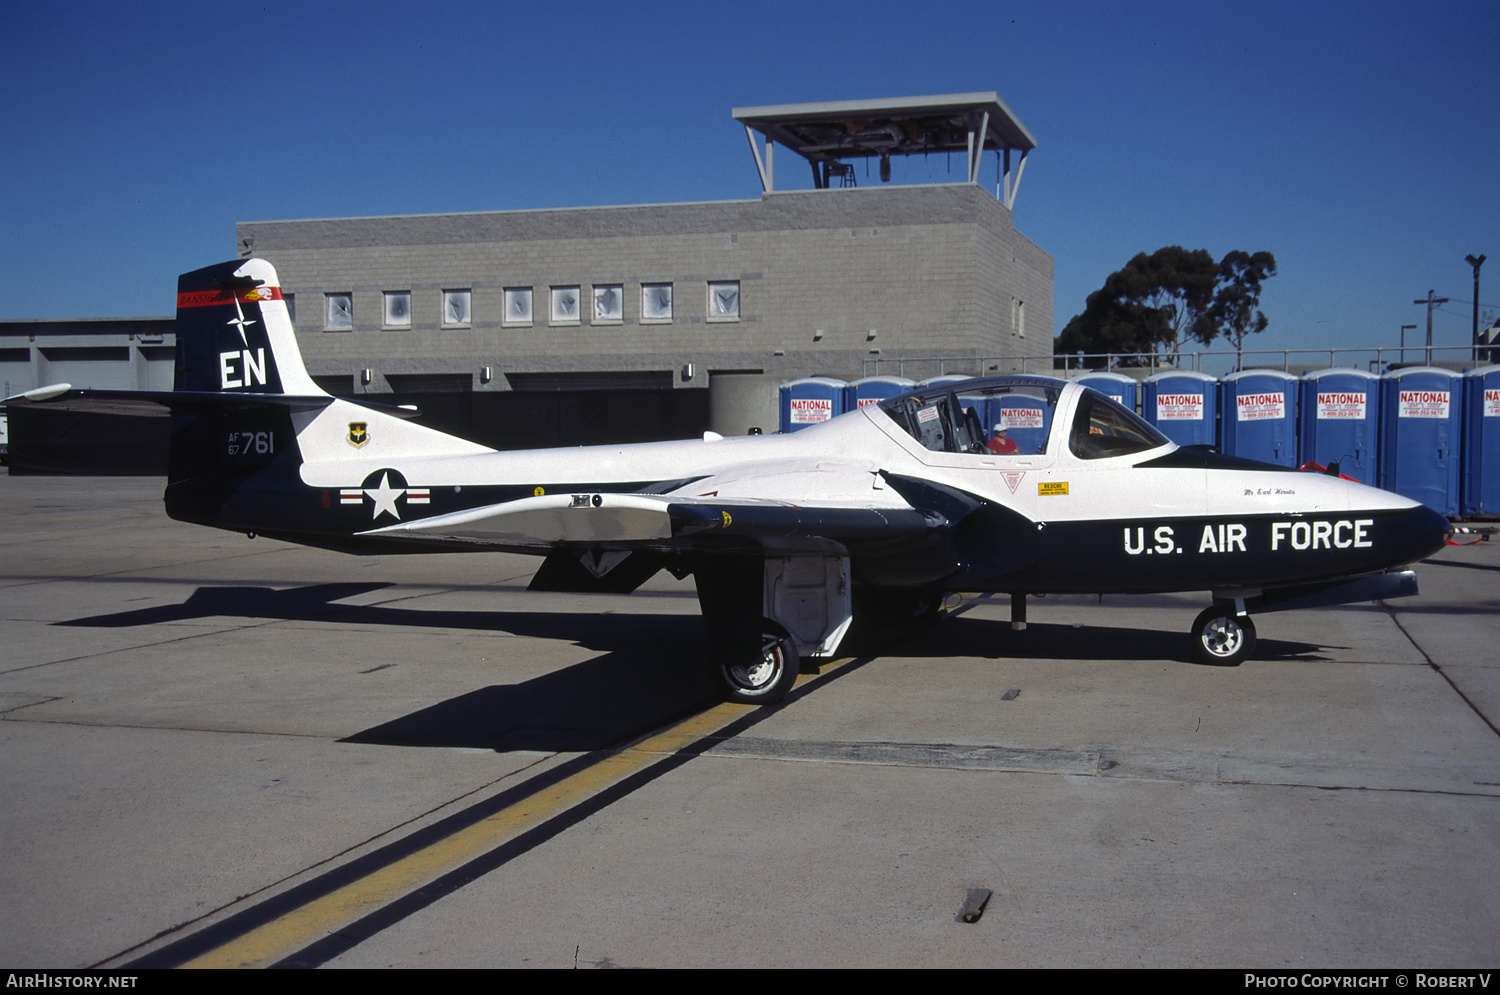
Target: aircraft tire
x=1221, y=638
x=766, y=680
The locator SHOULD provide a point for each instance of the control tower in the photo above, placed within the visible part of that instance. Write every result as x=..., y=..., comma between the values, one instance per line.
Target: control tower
x=831, y=136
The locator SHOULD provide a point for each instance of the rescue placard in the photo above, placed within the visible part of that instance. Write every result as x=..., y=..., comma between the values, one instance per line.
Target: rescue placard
x=1258, y=407
x=1341, y=405
x=808, y=410
x=1423, y=404
x=1179, y=407
x=1052, y=487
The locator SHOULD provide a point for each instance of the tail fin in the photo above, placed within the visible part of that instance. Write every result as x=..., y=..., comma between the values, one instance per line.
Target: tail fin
x=235, y=342
x=234, y=333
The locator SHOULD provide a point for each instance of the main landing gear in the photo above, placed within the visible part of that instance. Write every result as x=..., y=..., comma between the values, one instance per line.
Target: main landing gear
x=765, y=679
x=1223, y=636
x=765, y=610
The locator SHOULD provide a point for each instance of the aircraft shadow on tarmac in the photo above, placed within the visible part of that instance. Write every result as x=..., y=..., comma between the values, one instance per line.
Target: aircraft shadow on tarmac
x=297, y=603
x=315, y=602
x=1462, y=566
x=994, y=639
x=650, y=666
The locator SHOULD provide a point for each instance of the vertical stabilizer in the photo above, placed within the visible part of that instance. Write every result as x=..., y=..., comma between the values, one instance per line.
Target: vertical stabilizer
x=230, y=463
x=234, y=333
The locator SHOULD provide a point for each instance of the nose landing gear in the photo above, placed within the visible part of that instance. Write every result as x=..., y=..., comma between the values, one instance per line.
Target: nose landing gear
x=1222, y=637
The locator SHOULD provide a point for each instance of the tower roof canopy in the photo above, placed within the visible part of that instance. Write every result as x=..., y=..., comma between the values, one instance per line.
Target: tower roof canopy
x=847, y=129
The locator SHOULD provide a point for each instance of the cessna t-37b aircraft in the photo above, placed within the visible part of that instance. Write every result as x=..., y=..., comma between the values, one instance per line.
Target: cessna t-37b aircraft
x=884, y=510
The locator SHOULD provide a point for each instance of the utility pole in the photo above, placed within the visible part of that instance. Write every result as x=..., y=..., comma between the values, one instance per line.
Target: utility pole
x=1476, y=262
x=1431, y=301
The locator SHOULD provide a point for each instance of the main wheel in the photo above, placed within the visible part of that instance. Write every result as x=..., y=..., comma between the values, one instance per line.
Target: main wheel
x=1222, y=638
x=766, y=679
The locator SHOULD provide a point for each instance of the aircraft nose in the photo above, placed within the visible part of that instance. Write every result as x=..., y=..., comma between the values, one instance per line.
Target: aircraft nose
x=1420, y=532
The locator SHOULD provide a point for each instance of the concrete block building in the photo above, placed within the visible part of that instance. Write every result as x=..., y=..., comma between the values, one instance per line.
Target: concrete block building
x=728, y=299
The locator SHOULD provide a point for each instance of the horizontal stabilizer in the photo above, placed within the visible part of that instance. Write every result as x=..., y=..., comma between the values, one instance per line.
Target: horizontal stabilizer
x=91, y=400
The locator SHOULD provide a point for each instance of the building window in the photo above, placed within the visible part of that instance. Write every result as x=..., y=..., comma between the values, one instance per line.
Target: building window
x=455, y=308
x=398, y=309
x=724, y=300
x=609, y=304
x=656, y=302
x=517, y=306
x=340, y=314
x=1020, y=319
x=565, y=306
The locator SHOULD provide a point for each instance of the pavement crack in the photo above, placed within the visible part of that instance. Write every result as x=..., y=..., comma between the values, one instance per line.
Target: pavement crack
x=1439, y=670
x=1100, y=761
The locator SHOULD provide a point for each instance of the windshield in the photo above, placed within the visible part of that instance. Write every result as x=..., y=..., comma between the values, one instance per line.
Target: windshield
x=1102, y=428
x=987, y=417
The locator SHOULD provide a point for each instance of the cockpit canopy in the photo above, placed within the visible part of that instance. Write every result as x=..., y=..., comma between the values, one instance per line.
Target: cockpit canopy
x=1013, y=416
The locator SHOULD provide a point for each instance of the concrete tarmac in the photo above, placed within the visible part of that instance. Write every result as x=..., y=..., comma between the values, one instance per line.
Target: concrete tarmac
x=195, y=725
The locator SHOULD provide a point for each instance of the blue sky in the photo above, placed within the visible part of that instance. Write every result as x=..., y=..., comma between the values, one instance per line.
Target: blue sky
x=1358, y=142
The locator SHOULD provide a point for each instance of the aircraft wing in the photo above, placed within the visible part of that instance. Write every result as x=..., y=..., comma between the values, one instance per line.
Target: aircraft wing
x=659, y=521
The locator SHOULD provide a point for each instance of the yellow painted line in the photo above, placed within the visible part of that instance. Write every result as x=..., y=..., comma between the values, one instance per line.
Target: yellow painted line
x=305, y=925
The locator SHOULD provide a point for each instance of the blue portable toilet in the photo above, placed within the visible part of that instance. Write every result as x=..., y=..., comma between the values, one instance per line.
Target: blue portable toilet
x=1183, y=405
x=871, y=389
x=1260, y=416
x=1481, y=473
x=1421, y=420
x=811, y=401
x=1341, y=422
x=1124, y=390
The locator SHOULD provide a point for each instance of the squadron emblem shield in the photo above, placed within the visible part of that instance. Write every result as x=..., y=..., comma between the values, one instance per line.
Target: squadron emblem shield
x=358, y=433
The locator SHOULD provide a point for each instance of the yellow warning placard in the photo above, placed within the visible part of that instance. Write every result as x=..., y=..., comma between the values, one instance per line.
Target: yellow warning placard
x=1052, y=487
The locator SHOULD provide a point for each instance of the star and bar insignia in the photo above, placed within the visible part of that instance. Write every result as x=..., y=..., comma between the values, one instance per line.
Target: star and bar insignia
x=386, y=492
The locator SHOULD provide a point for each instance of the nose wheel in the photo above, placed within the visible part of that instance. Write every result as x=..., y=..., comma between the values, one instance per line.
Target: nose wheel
x=1222, y=638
